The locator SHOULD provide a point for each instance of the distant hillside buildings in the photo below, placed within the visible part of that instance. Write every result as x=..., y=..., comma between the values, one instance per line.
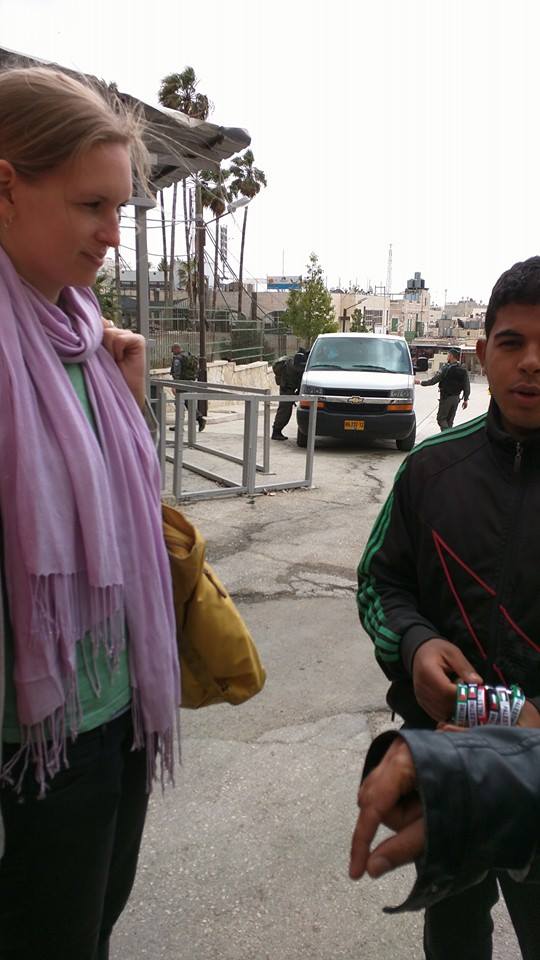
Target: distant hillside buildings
x=409, y=314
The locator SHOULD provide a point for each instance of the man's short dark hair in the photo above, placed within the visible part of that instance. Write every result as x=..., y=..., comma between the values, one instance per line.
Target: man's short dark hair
x=455, y=351
x=520, y=284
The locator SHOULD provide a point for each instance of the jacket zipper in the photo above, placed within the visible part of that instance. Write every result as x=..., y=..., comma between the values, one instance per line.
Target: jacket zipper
x=493, y=649
x=517, y=457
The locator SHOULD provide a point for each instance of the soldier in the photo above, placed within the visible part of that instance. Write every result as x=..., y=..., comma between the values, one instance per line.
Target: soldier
x=184, y=366
x=288, y=373
x=452, y=379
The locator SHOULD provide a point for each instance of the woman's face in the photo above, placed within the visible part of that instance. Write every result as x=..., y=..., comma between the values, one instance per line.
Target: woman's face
x=63, y=223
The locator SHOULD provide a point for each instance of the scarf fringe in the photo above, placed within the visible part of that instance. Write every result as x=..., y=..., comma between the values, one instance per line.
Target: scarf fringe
x=65, y=607
x=158, y=745
x=44, y=746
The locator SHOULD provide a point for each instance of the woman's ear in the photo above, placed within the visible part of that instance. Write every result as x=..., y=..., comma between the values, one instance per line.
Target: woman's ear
x=7, y=182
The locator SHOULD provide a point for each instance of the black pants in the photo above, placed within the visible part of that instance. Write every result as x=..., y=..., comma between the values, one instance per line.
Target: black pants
x=447, y=412
x=283, y=413
x=71, y=857
x=200, y=416
x=460, y=928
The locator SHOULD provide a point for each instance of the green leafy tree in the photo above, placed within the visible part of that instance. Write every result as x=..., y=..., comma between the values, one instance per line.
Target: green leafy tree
x=358, y=323
x=293, y=316
x=247, y=181
x=312, y=311
x=178, y=91
x=105, y=291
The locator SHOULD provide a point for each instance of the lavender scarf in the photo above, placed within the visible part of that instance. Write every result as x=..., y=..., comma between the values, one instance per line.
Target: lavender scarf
x=81, y=518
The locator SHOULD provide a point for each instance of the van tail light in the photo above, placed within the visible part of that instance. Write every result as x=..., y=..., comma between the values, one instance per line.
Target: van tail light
x=400, y=408
x=305, y=404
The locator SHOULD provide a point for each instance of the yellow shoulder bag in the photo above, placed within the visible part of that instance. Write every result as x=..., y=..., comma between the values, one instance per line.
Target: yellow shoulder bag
x=218, y=659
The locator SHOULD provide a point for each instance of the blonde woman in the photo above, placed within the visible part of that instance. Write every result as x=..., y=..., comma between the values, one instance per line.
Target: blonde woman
x=87, y=627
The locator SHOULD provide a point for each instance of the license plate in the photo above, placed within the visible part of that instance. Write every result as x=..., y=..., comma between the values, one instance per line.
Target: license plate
x=354, y=424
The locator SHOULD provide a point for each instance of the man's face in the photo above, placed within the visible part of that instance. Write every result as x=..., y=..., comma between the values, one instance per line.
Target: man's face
x=511, y=359
x=176, y=351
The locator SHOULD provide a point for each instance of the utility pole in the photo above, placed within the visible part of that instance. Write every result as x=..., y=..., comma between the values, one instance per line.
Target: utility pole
x=200, y=233
x=142, y=205
x=344, y=314
x=388, y=285
x=117, y=289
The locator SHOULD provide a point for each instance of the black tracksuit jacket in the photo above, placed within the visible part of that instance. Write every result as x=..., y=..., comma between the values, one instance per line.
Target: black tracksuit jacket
x=455, y=553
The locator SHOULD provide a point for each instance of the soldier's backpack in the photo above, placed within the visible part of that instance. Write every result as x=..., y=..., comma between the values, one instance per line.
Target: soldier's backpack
x=453, y=379
x=278, y=367
x=190, y=366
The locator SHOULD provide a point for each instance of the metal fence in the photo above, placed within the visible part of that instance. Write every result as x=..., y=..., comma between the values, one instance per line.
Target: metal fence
x=244, y=346
x=228, y=337
x=166, y=392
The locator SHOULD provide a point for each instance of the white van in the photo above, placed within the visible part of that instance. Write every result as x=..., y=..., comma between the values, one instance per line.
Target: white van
x=366, y=385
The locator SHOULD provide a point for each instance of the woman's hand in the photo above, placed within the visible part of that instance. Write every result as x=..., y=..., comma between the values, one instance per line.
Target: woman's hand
x=128, y=350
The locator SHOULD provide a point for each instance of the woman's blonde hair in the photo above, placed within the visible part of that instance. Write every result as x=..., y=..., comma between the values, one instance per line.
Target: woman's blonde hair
x=48, y=118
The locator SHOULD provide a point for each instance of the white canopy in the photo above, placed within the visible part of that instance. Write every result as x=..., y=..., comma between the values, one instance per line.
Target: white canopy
x=179, y=146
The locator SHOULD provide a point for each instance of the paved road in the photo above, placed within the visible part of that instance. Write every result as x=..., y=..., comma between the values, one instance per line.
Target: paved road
x=247, y=858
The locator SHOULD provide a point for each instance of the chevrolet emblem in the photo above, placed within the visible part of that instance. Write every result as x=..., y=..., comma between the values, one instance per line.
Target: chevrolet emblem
x=356, y=399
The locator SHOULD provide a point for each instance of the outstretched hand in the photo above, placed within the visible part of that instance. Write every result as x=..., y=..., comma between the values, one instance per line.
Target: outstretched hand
x=128, y=350
x=388, y=796
x=436, y=666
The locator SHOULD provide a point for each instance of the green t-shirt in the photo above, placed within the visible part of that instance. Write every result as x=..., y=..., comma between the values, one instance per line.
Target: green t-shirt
x=114, y=687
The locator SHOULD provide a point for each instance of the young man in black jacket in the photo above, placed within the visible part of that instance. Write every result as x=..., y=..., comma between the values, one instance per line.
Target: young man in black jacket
x=448, y=583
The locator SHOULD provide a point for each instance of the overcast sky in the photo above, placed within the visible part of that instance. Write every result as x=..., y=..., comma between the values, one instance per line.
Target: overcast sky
x=410, y=122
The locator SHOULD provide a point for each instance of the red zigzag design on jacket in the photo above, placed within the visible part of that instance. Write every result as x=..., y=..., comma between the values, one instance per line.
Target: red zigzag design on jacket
x=442, y=548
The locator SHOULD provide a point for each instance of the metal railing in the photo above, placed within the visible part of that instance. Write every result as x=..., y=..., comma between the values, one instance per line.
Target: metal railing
x=190, y=393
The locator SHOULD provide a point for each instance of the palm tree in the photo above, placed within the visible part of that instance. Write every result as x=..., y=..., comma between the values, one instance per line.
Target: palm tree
x=178, y=91
x=247, y=181
x=215, y=196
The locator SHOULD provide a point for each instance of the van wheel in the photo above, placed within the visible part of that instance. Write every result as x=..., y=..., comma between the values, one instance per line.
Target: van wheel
x=301, y=438
x=407, y=443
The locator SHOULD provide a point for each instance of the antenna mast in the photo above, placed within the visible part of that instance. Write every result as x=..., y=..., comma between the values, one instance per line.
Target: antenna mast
x=388, y=290
x=389, y=273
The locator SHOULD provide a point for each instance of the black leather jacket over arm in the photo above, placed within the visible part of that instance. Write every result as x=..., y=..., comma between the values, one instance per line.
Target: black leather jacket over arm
x=480, y=791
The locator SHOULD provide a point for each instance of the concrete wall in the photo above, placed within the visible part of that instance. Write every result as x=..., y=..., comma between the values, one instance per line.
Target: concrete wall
x=258, y=374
